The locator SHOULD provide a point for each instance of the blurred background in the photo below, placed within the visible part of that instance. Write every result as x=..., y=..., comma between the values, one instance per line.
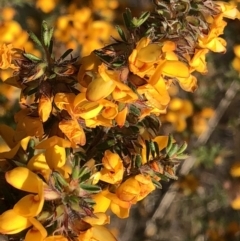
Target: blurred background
x=204, y=204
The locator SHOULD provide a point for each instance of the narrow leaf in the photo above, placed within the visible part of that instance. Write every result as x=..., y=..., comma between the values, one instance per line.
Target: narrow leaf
x=90, y=188
x=182, y=148
x=121, y=33
x=65, y=54
x=32, y=57
x=35, y=39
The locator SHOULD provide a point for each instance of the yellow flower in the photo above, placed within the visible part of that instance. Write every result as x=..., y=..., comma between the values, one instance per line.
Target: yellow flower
x=106, y=86
x=229, y=10
x=113, y=168
x=198, y=62
x=55, y=153
x=6, y=53
x=96, y=233
x=38, y=164
x=178, y=111
x=12, y=223
x=102, y=203
x=89, y=64
x=146, y=186
x=123, y=93
x=212, y=42
x=157, y=94
x=73, y=131
x=71, y=128
x=15, y=147
x=25, y=180
x=8, y=13
x=37, y=232
x=143, y=57
x=27, y=125
x=236, y=60
x=188, y=84
x=84, y=108
x=98, y=121
x=46, y=5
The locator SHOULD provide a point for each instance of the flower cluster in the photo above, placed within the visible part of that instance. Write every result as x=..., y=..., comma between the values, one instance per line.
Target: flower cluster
x=78, y=27
x=87, y=138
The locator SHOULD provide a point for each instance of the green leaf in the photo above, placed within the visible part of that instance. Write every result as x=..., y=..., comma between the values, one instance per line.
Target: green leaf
x=182, y=148
x=121, y=33
x=182, y=156
x=134, y=110
x=127, y=18
x=170, y=176
x=147, y=150
x=65, y=54
x=156, y=183
x=59, y=179
x=35, y=39
x=138, y=160
x=76, y=168
x=170, y=143
x=32, y=57
x=156, y=148
x=162, y=176
x=45, y=34
x=83, y=171
x=50, y=34
x=90, y=188
x=143, y=18
x=173, y=150
x=152, y=148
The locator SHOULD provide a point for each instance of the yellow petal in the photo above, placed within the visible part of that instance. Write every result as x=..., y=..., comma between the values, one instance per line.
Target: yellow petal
x=44, y=108
x=29, y=206
x=188, y=84
x=55, y=156
x=120, y=211
x=121, y=117
x=74, y=132
x=100, y=233
x=11, y=223
x=37, y=229
x=102, y=203
x=106, y=87
x=38, y=162
x=175, y=69
x=52, y=141
x=150, y=53
x=23, y=179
